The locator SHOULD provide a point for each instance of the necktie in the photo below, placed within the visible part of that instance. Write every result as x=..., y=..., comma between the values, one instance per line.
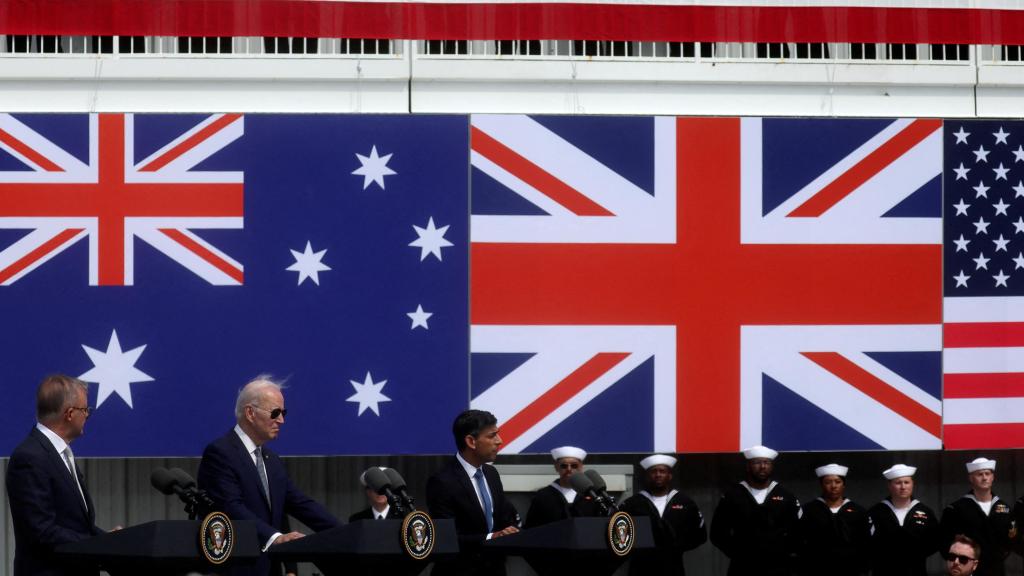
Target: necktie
x=262, y=469
x=485, y=496
x=69, y=459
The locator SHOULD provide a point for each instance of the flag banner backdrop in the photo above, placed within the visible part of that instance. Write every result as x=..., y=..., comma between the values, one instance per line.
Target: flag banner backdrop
x=983, y=284
x=169, y=259
x=874, y=21
x=626, y=284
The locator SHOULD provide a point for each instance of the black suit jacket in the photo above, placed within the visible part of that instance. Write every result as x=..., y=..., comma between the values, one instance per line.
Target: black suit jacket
x=229, y=476
x=46, y=508
x=450, y=494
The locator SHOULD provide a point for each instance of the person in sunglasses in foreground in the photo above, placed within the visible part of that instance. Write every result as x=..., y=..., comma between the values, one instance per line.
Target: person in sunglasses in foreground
x=249, y=482
x=962, y=557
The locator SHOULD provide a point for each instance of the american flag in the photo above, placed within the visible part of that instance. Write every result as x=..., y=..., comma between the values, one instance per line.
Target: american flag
x=826, y=231
x=983, y=283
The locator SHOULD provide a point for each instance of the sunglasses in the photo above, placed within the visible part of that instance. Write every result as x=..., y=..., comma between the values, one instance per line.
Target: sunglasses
x=567, y=466
x=274, y=414
x=959, y=558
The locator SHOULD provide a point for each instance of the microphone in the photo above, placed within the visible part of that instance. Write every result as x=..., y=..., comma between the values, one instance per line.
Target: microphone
x=183, y=478
x=398, y=486
x=582, y=484
x=163, y=481
x=177, y=481
x=379, y=482
x=601, y=488
x=188, y=484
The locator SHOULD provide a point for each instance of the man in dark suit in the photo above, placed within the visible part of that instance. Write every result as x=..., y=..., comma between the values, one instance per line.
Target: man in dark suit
x=379, y=508
x=249, y=482
x=50, y=504
x=468, y=489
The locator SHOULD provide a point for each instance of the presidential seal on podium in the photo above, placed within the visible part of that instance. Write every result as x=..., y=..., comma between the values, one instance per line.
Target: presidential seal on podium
x=621, y=533
x=216, y=537
x=418, y=535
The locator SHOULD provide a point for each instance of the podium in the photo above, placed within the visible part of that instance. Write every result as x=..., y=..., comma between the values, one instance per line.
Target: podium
x=571, y=546
x=365, y=547
x=159, y=548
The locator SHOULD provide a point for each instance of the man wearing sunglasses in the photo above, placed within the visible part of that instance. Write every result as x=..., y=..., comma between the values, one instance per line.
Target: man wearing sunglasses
x=50, y=504
x=962, y=557
x=249, y=482
x=558, y=500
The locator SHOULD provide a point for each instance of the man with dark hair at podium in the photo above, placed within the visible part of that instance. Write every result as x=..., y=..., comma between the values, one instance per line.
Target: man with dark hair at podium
x=558, y=500
x=468, y=490
x=676, y=521
x=755, y=523
x=379, y=508
x=50, y=504
x=249, y=482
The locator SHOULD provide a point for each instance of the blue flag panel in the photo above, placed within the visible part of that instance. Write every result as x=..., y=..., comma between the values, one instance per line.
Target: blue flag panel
x=169, y=259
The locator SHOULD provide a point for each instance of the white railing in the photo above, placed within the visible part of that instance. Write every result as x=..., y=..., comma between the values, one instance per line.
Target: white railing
x=264, y=47
x=699, y=51
x=185, y=46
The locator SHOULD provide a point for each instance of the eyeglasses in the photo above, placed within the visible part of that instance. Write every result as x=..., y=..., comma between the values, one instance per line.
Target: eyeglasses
x=274, y=414
x=567, y=465
x=960, y=558
x=86, y=409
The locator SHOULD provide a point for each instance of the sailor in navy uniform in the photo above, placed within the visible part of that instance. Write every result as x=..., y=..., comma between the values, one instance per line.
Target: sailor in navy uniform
x=558, y=500
x=755, y=523
x=981, y=516
x=905, y=531
x=676, y=521
x=834, y=531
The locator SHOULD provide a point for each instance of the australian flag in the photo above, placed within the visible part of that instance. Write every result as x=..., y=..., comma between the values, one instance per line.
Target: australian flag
x=169, y=259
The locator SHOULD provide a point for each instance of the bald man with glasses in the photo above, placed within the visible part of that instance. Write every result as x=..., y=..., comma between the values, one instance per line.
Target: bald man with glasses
x=249, y=482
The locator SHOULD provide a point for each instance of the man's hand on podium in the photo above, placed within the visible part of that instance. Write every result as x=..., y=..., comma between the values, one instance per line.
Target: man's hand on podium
x=505, y=532
x=287, y=538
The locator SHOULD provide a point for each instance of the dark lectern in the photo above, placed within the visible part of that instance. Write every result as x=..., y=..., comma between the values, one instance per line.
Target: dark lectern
x=365, y=547
x=160, y=548
x=571, y=546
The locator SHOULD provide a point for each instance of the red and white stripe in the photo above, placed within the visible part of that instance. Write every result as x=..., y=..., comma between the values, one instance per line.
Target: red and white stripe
x=111, y=201
x=570, y=366
x=983, y=366
x=828, y=367
x=901, y=21
x=846, y=202
x=585, y=200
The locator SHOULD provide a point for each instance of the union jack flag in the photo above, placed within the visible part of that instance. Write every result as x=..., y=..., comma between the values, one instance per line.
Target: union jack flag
x=104, y=193
x=743, y=226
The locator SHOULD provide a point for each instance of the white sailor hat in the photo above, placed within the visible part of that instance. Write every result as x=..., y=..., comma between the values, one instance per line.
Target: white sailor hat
x=899, y=471
x=759, y=452
x=980, y=464
x=658, y=459
x=831, y=470
x=569, y=452
x=362, y=477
